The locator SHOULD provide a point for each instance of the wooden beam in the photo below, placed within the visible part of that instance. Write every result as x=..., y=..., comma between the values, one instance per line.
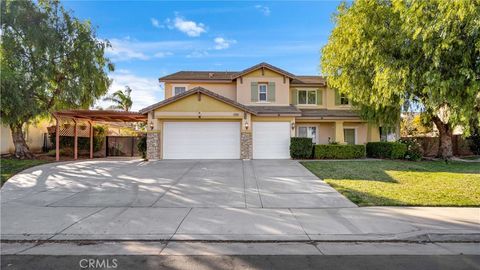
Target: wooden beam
x=57, y=139
x=75, y=140
x=91, y=139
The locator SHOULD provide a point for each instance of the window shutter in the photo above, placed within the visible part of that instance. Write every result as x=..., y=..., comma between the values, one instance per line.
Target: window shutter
x=294, y=97
x=337, y=97
x=254, y=93
x=319, y=97
x=271, y=92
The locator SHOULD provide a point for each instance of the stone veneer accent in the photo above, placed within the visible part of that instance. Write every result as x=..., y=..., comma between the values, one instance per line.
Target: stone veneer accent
x=153, y=145
x=246, y=145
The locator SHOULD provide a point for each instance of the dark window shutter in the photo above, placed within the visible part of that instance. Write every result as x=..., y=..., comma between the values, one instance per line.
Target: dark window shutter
x=254, y=91
x=271, y=92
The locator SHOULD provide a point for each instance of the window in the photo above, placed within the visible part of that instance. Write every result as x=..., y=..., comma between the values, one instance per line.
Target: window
x=178, y=90
x=343, y=99
x=387, y=134
x=349, y=135
x=262, y=92
x=308, y=132
x=307, y=97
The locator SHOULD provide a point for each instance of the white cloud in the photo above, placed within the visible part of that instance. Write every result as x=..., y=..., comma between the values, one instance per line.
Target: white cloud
x=162, y=54
x=197, y=54
x=156, y=23
x=264, y=9
x=191, y=28
x=127, y=49
x=120, y=51
x=145, y=90
x=221, y=43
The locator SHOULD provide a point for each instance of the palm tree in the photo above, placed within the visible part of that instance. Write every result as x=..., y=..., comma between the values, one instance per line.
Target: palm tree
x=121, y=98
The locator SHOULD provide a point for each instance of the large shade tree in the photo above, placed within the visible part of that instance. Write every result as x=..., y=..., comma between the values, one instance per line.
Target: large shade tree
x=50, y=60
x=390, y=54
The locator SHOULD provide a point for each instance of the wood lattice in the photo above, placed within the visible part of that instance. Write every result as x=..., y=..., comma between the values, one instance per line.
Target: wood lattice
x=67, y=128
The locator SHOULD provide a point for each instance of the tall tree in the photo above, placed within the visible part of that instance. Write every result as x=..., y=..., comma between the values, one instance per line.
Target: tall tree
x=121, y=99
x=50, y=60
x=385, y=54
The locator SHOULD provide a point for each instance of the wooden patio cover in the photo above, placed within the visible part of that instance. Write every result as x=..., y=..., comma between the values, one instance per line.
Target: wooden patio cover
x=91, y=116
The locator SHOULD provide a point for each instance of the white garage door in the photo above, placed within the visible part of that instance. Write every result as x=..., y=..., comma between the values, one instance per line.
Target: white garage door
x=271, y=140
x=201, y=140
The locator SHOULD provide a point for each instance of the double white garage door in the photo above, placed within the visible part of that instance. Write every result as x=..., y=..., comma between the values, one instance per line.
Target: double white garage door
x=221, y=140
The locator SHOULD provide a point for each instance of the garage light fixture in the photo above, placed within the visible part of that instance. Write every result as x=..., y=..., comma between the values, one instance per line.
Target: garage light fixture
x=151, y=125
x=293, y=125
x=246, y=125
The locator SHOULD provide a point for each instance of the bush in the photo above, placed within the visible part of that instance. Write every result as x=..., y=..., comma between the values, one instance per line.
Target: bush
x=391, y=150
x=339, y=151
x=99, y=133
x=142, y=146
x=414, y=149
x=475, y=144
x=301, y=147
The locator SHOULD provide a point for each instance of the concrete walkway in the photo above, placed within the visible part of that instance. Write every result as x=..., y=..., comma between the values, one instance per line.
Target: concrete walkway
x=207, y=200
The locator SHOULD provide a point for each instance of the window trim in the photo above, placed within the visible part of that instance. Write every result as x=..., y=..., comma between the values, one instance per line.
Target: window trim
x=308, y=126
x=344, y=97
x=266, y=93
x=306, y=97
x=355, y=129
x=178, y=85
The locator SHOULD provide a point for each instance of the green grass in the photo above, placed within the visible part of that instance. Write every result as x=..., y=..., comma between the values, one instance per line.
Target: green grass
x=10, y=167
x=471, y=158
x=402, y=183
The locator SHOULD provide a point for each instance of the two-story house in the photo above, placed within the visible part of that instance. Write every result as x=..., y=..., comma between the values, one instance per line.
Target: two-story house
x=248, y=114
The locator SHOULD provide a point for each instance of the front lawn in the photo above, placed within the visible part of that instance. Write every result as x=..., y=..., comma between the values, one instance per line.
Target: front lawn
x=395, y=183
x=9, y=167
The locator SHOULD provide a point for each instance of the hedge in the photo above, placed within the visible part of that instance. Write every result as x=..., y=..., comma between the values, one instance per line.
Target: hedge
x=301, y=147
x=391, y=150
x=339, y=151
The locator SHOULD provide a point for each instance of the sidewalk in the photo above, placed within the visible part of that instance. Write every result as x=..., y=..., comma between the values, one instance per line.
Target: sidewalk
x=429, y=224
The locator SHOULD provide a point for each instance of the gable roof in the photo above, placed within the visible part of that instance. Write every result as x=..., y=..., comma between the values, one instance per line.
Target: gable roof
x=200, y=75
x=263, y=65
x=197, y=90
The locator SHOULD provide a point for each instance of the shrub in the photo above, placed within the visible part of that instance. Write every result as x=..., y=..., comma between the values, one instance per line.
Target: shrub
x=414, y=149
x=142, y=147
x=391, y=150
x=339, y=151
x=301, y=147
x=475, y=144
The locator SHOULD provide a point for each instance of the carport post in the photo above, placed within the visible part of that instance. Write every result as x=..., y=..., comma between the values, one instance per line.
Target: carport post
x=57, y=138
x=91, y=139
x=75, y=140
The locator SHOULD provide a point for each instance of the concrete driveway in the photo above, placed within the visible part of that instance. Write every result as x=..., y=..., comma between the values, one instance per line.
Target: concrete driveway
x=203, y=200
x=133, y=183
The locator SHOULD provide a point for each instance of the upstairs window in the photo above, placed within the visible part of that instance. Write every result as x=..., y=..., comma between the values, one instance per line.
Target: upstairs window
x=307, y=97
x=343, y=99
x=262, y=92
x=178, y=90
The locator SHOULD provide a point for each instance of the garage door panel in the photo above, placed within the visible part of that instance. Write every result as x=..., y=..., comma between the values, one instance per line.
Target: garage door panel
x=271, y=140
x=201, y=140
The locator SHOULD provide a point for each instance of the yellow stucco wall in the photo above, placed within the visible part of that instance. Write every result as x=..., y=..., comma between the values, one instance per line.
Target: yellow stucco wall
x=282, y=96
x=225, y=89
x=33, y=137
x=192, y=104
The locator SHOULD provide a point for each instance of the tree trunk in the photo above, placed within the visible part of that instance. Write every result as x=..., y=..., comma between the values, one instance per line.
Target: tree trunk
x=21, y=148
x=445, y=150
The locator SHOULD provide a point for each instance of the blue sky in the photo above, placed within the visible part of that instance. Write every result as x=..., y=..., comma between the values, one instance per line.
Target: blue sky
x=153, y=38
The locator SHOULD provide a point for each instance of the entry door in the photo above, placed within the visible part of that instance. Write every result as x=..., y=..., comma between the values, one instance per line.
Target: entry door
x=271, y=140
x=201, y=140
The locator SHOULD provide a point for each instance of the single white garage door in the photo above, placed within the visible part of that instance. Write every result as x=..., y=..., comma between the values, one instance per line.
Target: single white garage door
x=271, y=140
x=201, y=140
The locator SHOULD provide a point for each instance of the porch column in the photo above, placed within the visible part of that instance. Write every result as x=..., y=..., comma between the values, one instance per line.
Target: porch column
x=57, y=139
x=75, y=140
x=91, y=139
x=339, y=132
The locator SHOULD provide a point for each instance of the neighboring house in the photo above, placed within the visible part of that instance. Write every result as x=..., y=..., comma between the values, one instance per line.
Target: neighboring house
x=248, y=114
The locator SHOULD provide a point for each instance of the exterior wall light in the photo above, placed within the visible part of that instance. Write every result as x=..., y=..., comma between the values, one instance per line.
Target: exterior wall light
x=293, y=125
x=151, y=125
x=246, y=125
